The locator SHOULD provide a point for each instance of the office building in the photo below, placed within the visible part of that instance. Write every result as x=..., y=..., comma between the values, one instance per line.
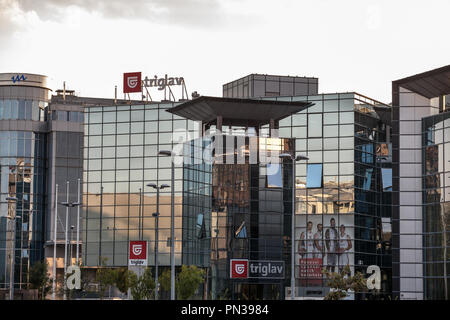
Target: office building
x=420, y=214
x=346, y=182
x=24, y=101
x=373, y=190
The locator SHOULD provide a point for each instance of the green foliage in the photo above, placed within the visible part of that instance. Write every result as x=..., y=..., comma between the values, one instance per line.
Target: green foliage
x=342, y=282
x=188, y=281
x=105, y=277
x=225, y=295
x=122, y=277
x=142, y=288
x=164, y=280
x=40, y=279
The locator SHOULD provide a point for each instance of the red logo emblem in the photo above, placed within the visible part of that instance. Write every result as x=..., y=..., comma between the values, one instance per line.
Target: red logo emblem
x=238, y=268
x=138, y=250
x=132, y=82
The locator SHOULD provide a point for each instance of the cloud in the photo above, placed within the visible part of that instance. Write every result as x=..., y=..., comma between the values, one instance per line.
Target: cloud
x=7, y=22
x=199, y=13
x=13, y=19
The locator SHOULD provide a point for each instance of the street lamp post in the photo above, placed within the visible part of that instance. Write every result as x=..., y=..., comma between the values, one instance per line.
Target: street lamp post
x=140, y=219
x=78, y=222
x=156, y=215
x=13, y=249
x=293, y=158
x=54, y=245
x=65, y=242
x=70, y=248
x=168, y=153
x=68, y=205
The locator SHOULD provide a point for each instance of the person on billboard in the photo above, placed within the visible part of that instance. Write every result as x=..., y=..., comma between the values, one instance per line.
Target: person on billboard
x=318, y=242
x=331, y=238
x=306, y=244
x=345, y=244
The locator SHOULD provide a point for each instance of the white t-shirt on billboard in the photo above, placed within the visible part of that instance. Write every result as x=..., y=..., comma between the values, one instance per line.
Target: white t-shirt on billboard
x=332, y=233
x=318, y=238
x=343, y=244
x=309, y=243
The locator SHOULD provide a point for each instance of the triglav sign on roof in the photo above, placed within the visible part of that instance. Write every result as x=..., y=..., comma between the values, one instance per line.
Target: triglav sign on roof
x=133, y=82
x=161, y=83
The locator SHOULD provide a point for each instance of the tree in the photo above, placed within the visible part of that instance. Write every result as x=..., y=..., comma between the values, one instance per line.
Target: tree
x=342, y=282
x=86, y=282
x=143, y=287
x=105, y=277
x=188, y=281
x=164, y=280
x=40, y=278
x=122, y=279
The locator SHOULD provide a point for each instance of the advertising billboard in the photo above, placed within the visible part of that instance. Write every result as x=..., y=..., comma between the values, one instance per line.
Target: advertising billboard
x=323, y=242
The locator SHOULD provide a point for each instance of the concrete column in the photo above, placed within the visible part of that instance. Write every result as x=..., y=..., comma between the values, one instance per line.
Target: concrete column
x=219, y=123
x=273, y=126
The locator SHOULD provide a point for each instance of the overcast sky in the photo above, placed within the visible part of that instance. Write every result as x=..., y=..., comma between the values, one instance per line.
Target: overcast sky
x=350, y=45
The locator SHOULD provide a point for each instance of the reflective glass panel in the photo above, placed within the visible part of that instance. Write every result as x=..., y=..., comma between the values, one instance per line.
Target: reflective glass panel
x=314, y=176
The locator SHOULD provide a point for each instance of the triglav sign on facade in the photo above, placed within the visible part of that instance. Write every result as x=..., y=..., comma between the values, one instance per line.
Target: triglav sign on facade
x=248, y=269
x=138, y=253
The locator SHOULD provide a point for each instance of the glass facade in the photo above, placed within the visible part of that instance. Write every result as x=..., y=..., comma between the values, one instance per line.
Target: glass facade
x=436, y=205
x=237, y=210
x=196, y=217
x=343, y=192
x=23, y=155
x=72, y=116
x=19, y=109
x=260, y=85
x=121, y=144
x=22, y=175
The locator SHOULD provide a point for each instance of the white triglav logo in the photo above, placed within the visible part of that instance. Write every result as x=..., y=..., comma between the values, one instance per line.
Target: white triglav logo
x=137, y=249
x=239, y=268
x=132, y=82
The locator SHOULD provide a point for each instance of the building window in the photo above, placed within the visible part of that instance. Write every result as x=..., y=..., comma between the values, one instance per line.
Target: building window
x=314, y=176
x=386, y=175
x=367, y=179
x=386, y=229
x=274, y=177
x=314, y=125
x=241, y=232
x=200, y=228
x=367, y=153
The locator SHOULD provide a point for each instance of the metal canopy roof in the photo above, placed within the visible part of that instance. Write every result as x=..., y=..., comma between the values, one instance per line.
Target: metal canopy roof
x=384, y=113
x=237, y=111
x=429, y=84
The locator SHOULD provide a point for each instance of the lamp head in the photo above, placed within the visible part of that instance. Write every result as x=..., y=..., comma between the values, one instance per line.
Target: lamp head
x=285, y=156
x=166, y=153
x=300, y=157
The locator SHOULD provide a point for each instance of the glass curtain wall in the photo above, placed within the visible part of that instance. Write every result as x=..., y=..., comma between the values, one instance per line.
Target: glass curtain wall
x=120, y=159
x=20, y=109
x=22, y=176
x=341, y=205
x=436, y=205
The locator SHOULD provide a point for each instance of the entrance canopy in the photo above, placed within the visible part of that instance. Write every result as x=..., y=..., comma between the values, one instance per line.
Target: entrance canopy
x=237, y=112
